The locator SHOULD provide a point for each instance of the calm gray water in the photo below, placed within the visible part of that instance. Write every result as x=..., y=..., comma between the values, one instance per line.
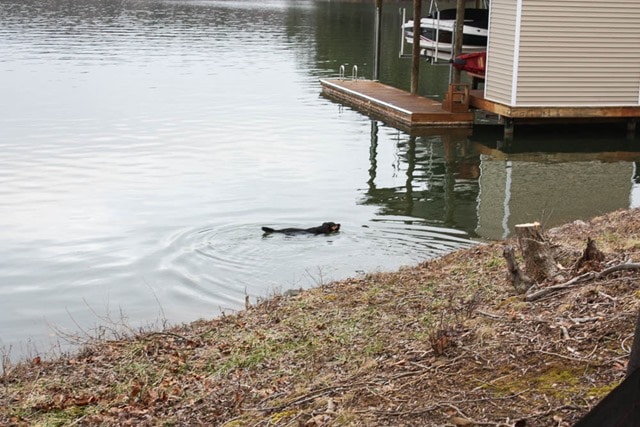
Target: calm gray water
x=144, y=143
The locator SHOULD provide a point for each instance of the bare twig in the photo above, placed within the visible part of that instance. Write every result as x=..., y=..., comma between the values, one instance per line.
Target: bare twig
x=308, y=397
x=490, y=315
x=578, y=359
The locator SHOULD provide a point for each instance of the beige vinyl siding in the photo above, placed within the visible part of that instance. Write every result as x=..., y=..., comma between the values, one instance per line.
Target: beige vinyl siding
x=500, y=52
x=579, y=53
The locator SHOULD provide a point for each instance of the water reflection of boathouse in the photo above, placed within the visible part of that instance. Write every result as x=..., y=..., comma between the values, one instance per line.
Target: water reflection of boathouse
x=448, y=181
x=551, y=188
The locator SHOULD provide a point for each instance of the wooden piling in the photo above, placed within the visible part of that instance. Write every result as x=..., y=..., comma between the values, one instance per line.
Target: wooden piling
x=458, y=38
x=415, y=51
x=377, y=43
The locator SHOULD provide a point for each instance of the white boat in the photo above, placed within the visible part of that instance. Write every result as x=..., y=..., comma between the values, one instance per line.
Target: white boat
x=438, y=28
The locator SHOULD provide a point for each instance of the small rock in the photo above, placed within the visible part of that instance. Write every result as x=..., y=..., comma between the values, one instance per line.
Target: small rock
x=463, y=422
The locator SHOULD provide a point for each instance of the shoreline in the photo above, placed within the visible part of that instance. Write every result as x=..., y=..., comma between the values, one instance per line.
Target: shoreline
x=445, y=341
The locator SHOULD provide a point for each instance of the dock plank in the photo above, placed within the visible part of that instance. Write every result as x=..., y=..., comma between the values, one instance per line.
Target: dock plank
x=392, y=104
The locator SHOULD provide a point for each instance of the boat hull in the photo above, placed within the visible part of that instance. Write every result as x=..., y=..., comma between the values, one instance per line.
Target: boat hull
x=436, y=31
x=473, y=63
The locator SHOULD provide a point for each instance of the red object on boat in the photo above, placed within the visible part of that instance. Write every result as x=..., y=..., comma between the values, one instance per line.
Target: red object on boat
x=473, y=63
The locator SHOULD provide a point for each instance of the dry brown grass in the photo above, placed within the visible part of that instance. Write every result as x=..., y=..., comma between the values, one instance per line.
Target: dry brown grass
x=443, y=343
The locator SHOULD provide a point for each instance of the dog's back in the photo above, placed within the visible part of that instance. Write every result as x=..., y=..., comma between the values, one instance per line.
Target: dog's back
x=325, y=228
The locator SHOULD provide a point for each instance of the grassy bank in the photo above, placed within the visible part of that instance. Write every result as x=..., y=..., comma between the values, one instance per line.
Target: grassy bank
x=446, y=342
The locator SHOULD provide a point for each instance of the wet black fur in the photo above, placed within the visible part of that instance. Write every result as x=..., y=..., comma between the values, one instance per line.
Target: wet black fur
x=325, y=228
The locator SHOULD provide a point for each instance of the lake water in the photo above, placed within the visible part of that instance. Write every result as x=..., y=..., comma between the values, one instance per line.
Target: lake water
x=144, y=143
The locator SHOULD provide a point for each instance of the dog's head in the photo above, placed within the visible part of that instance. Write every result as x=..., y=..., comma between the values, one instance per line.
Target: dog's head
x=330, y=227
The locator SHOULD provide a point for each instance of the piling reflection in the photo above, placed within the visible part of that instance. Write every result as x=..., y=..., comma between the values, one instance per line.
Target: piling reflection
x=449, y=180
x=439, y=179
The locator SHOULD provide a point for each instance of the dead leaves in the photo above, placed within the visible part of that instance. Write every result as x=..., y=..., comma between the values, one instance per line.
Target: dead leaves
x=63, y=401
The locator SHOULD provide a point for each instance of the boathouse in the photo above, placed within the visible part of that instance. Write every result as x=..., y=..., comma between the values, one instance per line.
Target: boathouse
x=547, y=61
x=569, y=59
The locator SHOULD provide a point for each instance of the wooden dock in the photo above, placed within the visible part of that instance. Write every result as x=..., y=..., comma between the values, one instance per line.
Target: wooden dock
x=418, y=115
x=392, y=105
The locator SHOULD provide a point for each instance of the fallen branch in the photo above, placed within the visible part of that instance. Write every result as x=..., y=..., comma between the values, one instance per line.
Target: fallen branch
x=625, y=266
x=576, y=281
x=579, y=280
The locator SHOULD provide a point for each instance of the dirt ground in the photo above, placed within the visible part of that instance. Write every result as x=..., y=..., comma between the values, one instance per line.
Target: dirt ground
x=444, y=343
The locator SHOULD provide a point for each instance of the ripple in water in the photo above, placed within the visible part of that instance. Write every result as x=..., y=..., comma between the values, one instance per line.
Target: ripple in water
x=219, y=264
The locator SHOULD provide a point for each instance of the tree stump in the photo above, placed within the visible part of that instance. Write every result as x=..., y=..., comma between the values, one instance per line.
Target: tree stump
x=591, y=258
x=536, y=251
x=518, y=279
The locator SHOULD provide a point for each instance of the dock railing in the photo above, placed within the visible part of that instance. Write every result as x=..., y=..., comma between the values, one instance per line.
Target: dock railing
x=354, y=73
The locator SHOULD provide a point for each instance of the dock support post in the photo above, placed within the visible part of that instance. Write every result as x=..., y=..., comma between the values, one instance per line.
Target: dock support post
x=631, y=128
x=415, y=52
x=459, y=31
x=508, y=130
x=376, y=50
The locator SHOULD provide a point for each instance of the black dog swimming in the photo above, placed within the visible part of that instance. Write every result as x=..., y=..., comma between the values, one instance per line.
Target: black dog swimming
x=325, y=228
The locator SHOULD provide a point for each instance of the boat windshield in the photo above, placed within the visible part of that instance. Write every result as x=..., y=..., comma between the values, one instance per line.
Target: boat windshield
x=434, y=7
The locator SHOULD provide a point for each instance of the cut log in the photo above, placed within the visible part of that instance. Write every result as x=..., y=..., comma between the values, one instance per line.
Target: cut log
x=536, y=251
x=518, y=279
